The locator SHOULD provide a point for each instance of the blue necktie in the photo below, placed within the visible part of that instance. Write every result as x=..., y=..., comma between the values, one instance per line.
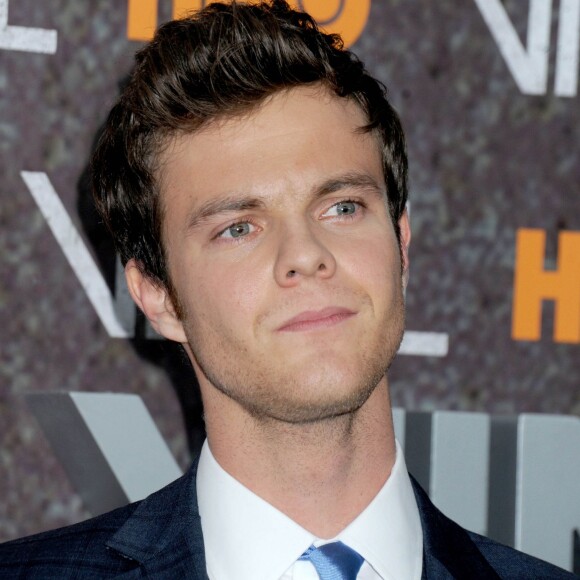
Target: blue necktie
x=334, y=561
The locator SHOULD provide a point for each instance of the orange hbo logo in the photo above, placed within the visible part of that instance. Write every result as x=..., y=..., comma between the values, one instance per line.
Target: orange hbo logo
x=346, y=17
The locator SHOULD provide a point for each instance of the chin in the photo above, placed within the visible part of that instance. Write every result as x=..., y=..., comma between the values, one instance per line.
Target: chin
x=316, y=401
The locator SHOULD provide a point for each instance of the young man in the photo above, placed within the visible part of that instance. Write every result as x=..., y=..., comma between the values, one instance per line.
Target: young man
x=254, y=178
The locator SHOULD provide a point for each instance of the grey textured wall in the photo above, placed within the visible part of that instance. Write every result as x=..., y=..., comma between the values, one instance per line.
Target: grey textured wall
x=485, y=160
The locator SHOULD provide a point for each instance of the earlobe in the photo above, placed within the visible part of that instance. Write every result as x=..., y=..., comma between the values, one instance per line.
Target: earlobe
x=155, y=303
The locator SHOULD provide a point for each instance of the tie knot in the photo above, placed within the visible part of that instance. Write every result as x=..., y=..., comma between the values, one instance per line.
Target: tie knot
x=335, y=561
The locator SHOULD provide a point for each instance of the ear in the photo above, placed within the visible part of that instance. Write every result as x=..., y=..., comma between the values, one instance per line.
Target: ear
x=405, y=240
x=155, y=303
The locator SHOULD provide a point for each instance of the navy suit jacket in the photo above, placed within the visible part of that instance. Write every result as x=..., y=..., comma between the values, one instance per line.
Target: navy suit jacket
x=160, y=538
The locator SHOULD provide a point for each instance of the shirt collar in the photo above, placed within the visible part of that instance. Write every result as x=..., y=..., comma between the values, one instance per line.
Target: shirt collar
x=388, y=533
x=261, y=542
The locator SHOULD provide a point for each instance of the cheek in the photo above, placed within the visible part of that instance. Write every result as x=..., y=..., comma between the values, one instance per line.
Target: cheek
x=220, y=294
x=376, y=264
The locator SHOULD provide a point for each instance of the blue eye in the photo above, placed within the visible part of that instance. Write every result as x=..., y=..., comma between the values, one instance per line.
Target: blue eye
x=237, y=230
x=345, y=208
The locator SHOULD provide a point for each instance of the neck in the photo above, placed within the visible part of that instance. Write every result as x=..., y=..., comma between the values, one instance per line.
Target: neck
x=321, y=474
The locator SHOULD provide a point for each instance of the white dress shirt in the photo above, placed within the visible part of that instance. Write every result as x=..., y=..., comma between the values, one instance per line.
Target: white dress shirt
x=246, y=538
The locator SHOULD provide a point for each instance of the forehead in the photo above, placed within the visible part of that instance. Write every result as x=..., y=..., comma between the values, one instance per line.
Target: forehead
x=288, y=142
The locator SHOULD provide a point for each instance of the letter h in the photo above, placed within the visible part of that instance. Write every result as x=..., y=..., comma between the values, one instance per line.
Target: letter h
x=533, y=284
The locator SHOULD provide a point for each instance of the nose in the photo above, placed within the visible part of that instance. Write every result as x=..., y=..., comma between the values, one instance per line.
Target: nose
x=302, y=253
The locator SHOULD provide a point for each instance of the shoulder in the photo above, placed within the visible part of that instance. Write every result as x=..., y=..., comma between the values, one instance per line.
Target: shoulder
x=451, y=551
x=512, y=564
x=66, y=552
x=156, y=534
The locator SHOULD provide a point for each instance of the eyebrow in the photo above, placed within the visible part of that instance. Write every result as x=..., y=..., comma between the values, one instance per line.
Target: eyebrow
x=234, y=203
x=223, y=205
x=352, y=179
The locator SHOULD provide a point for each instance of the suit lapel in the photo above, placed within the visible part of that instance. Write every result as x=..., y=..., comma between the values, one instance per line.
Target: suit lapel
x=448, y=551
x=164, y=538
x=163, y=535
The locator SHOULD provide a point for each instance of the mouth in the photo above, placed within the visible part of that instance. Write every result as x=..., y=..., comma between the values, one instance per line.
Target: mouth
x=317, y=319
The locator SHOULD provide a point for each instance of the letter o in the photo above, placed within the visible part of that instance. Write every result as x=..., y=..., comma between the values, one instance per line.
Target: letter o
x=346, y=17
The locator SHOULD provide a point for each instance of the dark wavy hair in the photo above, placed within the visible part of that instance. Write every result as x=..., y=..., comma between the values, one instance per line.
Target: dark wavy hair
x=221, y=61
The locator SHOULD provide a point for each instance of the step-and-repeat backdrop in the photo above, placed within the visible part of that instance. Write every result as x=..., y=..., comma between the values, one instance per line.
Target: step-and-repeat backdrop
x=488, y=94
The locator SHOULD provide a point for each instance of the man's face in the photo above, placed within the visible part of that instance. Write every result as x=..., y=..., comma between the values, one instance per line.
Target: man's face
x=283, y=256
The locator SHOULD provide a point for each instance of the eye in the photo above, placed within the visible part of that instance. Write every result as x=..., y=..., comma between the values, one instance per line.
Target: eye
x=343, y=208
x=238, y=230
x=346, y=208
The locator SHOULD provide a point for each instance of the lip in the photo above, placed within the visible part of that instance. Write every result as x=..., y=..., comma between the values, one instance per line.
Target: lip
x=315, y=319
